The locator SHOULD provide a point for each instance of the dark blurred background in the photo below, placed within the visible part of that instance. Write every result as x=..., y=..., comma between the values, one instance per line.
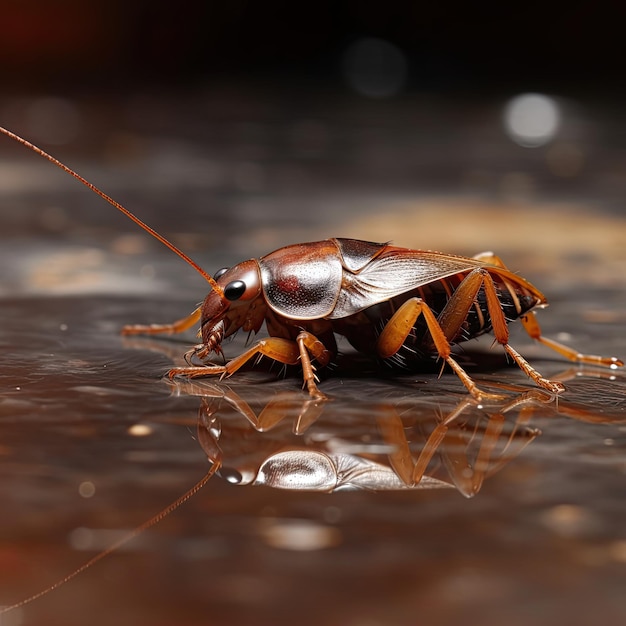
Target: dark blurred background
x=576, y=48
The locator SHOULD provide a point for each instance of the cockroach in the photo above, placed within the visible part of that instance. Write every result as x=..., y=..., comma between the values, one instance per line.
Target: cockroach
x=399, y=305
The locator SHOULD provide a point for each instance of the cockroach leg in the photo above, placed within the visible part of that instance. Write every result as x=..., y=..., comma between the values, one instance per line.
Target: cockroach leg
x=398, y=328
x=198, y=371
x=553, y=386
x=501, y=332
x=529, y=321
x=170, y=329
x=470, y=385
x=454, y=314
x=531, y=326
x=309, y=344
x=276, y=348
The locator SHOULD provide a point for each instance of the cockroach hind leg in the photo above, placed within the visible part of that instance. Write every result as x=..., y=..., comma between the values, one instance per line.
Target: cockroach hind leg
x=477, y=393
x=553, y=386
x=531, y=326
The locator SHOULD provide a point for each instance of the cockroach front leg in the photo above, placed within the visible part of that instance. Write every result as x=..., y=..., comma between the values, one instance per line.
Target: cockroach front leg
x=166, y=329
x=282, y=350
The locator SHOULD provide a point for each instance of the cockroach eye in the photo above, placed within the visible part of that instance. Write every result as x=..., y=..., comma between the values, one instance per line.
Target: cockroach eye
x=234, y=290
x=230, y=475
x=220, y=273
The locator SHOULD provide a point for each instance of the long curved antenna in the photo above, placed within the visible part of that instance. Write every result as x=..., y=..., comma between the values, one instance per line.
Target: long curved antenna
x=118, y=206
x=118, y=544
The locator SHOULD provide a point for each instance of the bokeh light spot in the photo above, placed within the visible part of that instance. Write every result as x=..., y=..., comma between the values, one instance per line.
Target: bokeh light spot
x=375, y=68
x=531, y=119
x=86, y=489
x=140, y=430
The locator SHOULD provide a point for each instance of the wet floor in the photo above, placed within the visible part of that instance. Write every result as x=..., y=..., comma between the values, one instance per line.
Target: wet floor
x=398, y=501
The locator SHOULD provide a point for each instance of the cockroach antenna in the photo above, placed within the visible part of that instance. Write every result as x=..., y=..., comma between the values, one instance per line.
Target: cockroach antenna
x=118, y=206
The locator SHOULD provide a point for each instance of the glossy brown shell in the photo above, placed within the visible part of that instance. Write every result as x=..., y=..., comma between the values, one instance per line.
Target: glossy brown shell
x=337, y=278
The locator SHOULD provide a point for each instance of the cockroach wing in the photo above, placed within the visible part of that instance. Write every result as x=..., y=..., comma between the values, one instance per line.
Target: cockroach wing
x=356, y=254
x=394, y=272
x=302, y=281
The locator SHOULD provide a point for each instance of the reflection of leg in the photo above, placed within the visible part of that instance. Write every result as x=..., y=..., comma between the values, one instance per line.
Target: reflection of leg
x=484, y=458
x=531, y=326
x=169, y=329
x=400, y=458
x=289, y=405
x=455, y=439
x=430, y=447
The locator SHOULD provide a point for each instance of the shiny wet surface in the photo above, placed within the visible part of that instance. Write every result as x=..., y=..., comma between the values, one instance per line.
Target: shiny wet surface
x=94, y=442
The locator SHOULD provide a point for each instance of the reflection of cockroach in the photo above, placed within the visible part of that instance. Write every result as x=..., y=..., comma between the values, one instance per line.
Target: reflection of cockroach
x=402, y=306
x=472, y=441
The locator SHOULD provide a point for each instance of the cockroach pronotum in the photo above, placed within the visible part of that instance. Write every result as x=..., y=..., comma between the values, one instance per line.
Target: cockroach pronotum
x=402, y=306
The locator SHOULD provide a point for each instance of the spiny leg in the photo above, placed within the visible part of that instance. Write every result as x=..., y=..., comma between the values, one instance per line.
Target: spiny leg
x=501, y=332
x=281, y=350
x=462, y=300
x=529, y=321
x=454, y=313
x=276, y=348
x=494, y=259
x=449, y=324
x=397, y=329
x=308, y=345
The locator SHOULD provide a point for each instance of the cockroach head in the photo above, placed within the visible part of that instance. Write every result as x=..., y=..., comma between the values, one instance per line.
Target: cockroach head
x=235, y=287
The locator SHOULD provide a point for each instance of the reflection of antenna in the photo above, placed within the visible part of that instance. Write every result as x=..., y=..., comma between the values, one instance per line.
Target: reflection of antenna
x=118, y=544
